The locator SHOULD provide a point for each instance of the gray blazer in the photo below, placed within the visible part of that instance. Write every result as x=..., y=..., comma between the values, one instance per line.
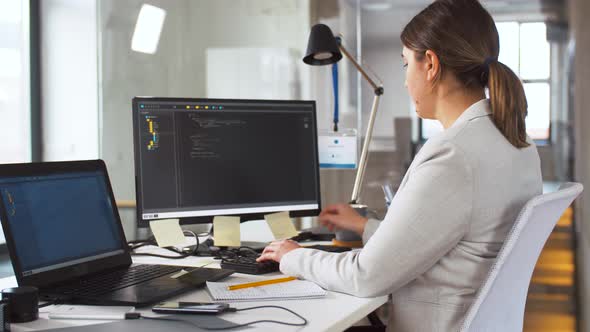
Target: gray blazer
x=442, y=231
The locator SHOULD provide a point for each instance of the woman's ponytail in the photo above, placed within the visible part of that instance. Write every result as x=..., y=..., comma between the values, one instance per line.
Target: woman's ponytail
x=508, y=103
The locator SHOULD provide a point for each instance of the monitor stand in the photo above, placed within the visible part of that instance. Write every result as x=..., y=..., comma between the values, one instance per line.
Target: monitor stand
x=205, y=248
x=255, y=234
x=198, y=228
x=208, y=228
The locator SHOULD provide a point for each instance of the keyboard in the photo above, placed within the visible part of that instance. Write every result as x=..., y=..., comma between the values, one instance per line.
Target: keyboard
x=249, y=265
x=246, y=261
x=114, y=280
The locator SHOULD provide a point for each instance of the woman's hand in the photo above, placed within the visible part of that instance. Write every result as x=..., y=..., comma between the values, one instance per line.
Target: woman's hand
x=276, y=250
x=342, y=216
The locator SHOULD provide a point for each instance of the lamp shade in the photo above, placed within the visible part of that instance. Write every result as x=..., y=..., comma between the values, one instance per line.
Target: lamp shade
x=322, y=48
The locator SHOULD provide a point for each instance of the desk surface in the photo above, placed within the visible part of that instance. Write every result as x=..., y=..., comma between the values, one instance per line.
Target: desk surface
x=335, y=312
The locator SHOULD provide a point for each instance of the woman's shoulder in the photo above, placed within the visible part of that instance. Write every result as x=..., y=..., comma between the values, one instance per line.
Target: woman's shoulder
x=445, y=140
x=441, y=150
x=477, y=142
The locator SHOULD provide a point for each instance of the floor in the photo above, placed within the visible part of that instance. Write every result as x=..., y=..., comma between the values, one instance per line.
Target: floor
x=551, y=304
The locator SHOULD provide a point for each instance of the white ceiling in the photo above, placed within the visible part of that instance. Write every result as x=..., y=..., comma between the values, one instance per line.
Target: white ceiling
x=418, y=4
x=384, y=19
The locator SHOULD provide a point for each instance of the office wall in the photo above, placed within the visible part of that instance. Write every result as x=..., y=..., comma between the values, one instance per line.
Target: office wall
x=382, y=49
x=562, y=129
x=383, y=56
x=178, y=67
x=580, y=34
x=69, y=100
x=381, y=52
x=341, y=18
x=124, y=74
x=379, y=56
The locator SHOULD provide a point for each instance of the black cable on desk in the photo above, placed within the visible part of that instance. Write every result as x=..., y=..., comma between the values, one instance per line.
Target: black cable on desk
x=161, y=256
x=59, y=300
x=47, y=304
x=151, y=241
x=239, y=325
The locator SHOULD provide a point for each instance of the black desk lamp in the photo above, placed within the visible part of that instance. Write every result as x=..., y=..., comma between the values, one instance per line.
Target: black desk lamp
x=325, y=49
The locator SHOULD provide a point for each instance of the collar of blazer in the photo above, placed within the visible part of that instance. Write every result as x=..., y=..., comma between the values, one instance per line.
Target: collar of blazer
x=477, y=110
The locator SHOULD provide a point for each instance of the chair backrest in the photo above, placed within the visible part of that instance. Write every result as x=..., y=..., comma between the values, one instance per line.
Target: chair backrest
x=499, y=304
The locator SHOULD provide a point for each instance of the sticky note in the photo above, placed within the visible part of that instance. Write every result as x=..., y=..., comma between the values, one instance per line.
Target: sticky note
x=167, y=232
x=280, y=225
x=226, y=231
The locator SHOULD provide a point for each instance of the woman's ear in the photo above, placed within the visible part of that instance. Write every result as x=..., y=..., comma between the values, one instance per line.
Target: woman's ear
x=432, y=66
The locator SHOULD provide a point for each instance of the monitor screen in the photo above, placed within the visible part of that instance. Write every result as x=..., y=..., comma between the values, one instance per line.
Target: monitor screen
x=200, y=158
x=44, y=211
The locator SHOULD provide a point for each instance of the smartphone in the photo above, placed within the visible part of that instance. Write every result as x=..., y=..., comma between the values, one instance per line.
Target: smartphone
x=190, y=308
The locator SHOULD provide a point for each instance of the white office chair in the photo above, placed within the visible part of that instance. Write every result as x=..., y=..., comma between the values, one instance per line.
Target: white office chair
x=499, y=305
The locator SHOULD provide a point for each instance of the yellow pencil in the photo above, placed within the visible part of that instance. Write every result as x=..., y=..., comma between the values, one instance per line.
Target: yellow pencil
x=260, y=283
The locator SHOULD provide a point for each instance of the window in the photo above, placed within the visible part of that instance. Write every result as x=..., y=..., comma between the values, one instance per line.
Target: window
x=69, y=80
x=15, y=129
x=523, y=48
x=14, y=87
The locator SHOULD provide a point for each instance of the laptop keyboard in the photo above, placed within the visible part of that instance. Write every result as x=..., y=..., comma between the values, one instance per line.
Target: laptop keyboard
x=105, y=283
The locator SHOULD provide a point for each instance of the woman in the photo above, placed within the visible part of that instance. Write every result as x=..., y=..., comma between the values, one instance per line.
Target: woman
x=460, y=196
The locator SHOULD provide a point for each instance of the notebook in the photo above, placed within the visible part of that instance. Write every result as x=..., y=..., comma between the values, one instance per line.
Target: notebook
x=296, y=289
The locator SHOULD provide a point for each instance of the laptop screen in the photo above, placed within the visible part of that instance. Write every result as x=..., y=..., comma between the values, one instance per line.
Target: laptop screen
x=60, y=220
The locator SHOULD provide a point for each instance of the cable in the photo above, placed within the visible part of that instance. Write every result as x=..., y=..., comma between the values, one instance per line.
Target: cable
x=151, y=241
x=203, y=234
x=161, y=256
x=239, y=325
x=58, y=300
x=47, y=304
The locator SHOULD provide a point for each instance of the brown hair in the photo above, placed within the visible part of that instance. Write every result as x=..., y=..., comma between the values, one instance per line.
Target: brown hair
x=464, y=37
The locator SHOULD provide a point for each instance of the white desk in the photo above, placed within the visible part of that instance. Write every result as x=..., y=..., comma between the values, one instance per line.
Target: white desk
x=335, y=312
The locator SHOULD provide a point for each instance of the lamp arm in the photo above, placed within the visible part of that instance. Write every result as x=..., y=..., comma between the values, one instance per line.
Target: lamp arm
x=377, y=88
x=360, y=172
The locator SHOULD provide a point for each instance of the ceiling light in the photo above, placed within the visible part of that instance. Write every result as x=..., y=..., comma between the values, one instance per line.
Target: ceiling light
x=148, y=29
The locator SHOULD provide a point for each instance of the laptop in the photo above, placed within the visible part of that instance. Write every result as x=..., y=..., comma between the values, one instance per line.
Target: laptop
x=65, y=237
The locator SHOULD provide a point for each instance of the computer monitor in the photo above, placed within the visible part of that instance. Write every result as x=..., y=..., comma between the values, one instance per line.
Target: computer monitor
x=200, y=158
